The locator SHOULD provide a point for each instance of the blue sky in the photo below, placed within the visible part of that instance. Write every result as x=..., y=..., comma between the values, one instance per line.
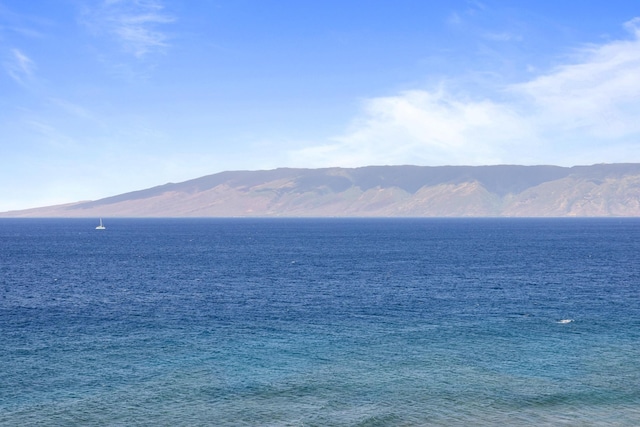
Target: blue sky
x=101, y=97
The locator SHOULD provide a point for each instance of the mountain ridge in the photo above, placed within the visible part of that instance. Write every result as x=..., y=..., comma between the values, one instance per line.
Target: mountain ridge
x=385, y=191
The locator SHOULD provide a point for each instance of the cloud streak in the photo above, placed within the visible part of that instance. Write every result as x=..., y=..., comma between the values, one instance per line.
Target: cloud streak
x=583, y=111
x=134, y=24
x=19, y=66
x=426, y=128
x=597, y=96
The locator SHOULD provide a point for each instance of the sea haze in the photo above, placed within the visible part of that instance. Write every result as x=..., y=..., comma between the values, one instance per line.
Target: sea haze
x=604, y=190
x=320, y=322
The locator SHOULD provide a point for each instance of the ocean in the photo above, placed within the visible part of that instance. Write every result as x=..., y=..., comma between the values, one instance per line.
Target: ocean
x=320, y=322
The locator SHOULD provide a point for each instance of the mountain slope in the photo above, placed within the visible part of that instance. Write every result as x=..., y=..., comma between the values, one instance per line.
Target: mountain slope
x=505, y=190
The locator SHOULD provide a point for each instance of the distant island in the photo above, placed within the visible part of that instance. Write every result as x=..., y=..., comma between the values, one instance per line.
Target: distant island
x=380, y=191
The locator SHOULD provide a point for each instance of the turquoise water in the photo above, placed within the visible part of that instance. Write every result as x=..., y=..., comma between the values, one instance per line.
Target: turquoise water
x=320, y=322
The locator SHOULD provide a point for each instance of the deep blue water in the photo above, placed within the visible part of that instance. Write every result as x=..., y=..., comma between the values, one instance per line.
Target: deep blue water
x=320, y=322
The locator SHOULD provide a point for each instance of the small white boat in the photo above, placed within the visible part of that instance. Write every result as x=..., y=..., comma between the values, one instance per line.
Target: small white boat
x=101, y=227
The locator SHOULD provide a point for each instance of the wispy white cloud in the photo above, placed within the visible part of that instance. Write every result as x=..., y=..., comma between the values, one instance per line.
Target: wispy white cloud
x=19, y=66
x=633, y=26
x=474, y=4
x=73, y=109
x=454, y=19
x=27, y=25
x=585, y=110
x=16, y=63
x=472, y=8
x=135, y=24
x=424, y=127
x=50, y=136
x=504, y=36
x=597, y=94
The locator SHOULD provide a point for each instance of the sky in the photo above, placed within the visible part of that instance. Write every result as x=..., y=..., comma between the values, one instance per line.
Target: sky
x=102, y=97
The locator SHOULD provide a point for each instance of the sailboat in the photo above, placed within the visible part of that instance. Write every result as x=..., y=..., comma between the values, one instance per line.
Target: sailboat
x=101, y=227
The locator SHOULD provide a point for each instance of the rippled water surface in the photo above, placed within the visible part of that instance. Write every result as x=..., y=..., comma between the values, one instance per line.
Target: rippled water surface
x=320, y=322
